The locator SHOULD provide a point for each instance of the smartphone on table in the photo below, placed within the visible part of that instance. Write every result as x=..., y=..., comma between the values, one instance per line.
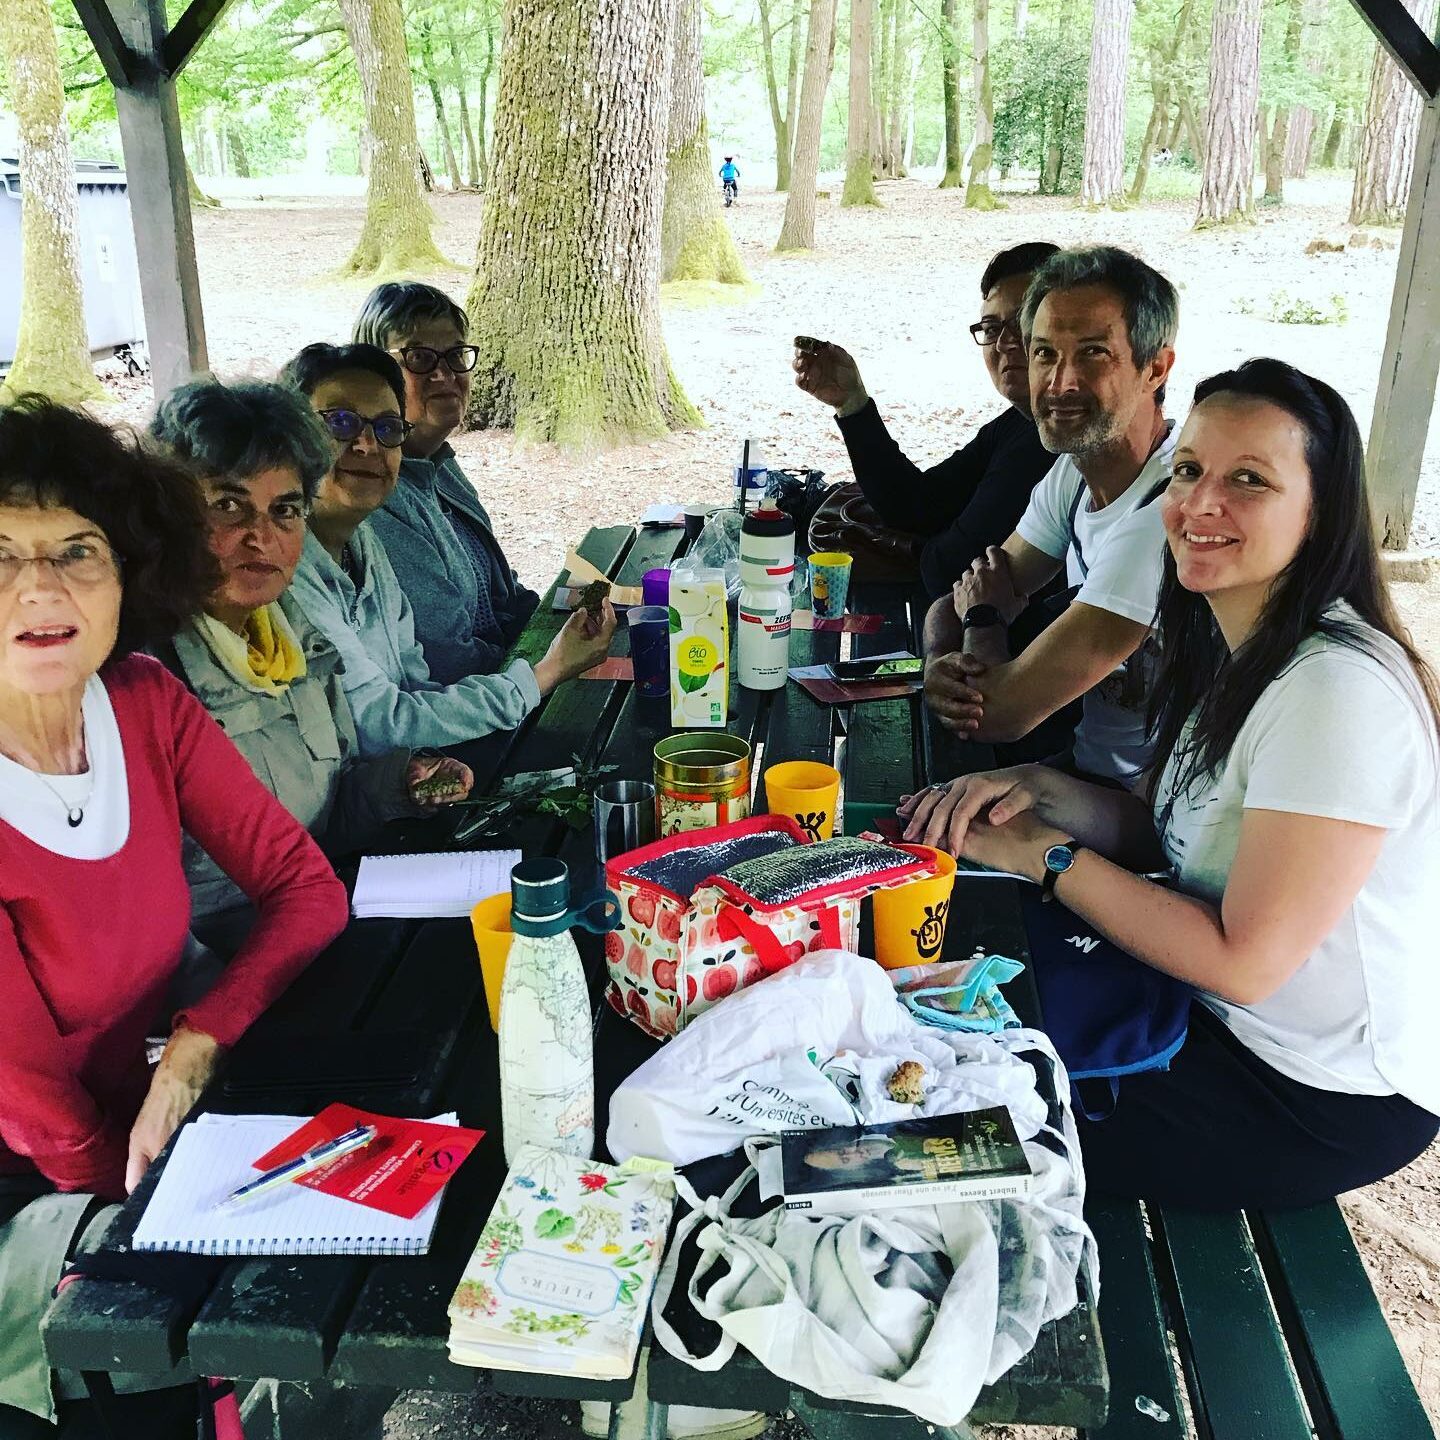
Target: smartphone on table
x=880, y=667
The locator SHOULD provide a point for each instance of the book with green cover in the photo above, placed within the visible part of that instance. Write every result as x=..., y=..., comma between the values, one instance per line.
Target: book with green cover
x=932, y=1160
x=561, y=1276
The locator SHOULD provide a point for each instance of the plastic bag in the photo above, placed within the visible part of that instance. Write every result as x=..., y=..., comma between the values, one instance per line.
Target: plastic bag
x=814, y=1044
x=717, y=548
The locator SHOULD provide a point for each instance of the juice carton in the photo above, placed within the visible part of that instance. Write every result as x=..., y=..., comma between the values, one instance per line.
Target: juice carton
x=699, y=649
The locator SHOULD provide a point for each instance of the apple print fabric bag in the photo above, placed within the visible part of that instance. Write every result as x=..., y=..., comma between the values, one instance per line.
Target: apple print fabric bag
x=708, y=912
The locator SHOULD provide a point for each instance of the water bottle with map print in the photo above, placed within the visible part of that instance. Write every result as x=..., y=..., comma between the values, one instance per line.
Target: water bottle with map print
x=547, y=1063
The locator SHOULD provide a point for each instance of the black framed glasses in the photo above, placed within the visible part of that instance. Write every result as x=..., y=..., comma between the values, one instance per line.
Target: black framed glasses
x=347, y=425
x=422, y=359
x=989, y=332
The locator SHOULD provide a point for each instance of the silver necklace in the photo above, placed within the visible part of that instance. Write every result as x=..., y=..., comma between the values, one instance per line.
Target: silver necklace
x=74, y=814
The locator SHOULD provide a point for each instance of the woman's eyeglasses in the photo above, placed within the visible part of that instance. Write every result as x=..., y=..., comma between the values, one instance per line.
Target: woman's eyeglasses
x=79, y=566
x=422, y=359
x=347, y=425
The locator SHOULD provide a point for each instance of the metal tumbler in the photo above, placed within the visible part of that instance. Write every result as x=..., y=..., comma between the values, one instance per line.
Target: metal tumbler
x=624, y=817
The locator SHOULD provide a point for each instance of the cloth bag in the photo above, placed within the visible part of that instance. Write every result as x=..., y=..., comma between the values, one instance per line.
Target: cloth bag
x=847, y=521
x=676, y=955
x=814, y=1045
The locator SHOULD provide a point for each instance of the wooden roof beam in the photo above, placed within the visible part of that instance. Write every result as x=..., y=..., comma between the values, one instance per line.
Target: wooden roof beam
x=188, y=33
x=1409, y=46
x=119, y=60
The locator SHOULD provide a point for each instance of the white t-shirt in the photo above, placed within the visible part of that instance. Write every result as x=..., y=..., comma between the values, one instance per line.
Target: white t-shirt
x=1345, y=734
x=34, y=806
x=1118, y=568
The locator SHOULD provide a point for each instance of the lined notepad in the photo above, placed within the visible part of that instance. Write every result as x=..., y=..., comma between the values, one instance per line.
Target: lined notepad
x=426, y=886
x=214, y=1155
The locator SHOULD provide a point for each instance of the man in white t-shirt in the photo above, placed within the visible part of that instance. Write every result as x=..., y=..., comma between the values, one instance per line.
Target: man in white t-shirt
x=1100, y=329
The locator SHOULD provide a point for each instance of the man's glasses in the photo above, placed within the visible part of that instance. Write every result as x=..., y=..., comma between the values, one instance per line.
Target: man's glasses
x=229, y=512
x=81, y=565
x=422, y=359
x=347, y=425
x=988, y=332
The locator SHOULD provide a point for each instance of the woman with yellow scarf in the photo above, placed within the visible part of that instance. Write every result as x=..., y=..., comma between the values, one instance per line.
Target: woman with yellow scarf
x=269, y=677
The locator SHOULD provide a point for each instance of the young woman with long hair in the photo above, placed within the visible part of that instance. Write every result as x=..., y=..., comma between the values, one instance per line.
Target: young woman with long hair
x=1294, y=794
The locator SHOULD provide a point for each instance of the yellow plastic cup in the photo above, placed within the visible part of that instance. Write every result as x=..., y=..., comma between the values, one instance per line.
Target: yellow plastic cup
x=910, y=918
x=807, y=791
x=830, y=583
x=490, y=920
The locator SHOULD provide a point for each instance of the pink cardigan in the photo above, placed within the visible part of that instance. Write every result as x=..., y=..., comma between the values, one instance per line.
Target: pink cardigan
x=87, y=947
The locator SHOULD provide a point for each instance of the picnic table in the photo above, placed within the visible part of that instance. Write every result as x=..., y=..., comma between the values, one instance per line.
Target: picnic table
x=1182, y=1282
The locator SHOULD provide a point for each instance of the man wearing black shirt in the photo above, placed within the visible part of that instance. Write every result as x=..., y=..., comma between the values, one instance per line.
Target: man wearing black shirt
x=975, y=498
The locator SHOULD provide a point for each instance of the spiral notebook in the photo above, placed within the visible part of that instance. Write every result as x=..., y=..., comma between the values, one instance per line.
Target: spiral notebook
x=429, y=886
x=215, y=1154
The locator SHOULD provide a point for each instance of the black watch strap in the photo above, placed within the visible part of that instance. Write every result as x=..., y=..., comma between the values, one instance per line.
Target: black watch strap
x=981, y=617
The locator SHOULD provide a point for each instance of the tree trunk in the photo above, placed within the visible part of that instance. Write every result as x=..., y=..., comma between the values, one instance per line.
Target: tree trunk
x=772, y=91
x=1172, y=135
x=978, y=195
x=1194, y=134
x=52, y=348
x=799, y=19
x=1278, y=142
x=1387, y=142
x=1331, y=154
x=486, y=71
x=1103, y=173
x=565, y=305
x=859, y=169
x=1227, y=188
x=1022, y=17
x=1303, y=120
x=396, y=237
x=797, y=231
x=880, y=89
x=695, y=242
x=467, y=130
x=199, y=200
x=954, y=175
x=442, y=125
x=899, y=82
x=239, y=157
x=427, y=171
x=1154, y=127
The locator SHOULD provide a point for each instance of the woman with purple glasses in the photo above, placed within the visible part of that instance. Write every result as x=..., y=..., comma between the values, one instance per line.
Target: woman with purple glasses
x=348, y=588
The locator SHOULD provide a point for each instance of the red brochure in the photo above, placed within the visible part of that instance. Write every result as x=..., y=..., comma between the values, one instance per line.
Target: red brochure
x=398, y=1172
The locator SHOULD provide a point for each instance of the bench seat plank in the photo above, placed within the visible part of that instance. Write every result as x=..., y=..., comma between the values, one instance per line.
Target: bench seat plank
x=1239, y=1371
x=1354, y=1376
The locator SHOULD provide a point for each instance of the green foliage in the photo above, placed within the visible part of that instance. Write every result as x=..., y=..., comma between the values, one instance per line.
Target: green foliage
x=1040, y=88
x=1286, y=309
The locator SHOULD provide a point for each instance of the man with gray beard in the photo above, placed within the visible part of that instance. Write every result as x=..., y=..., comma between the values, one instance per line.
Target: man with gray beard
x=1099, y=327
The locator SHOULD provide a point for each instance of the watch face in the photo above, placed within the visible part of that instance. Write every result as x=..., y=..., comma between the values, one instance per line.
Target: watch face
x=1059, y=858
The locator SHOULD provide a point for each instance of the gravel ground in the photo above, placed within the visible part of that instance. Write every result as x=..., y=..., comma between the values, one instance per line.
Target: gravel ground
x=896, y=286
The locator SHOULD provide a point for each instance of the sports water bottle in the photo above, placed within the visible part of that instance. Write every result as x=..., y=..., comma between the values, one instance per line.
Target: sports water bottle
x=767, y=562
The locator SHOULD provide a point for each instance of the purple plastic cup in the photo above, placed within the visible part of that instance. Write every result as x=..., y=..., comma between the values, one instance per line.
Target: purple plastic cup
x=655, y=586
x=650, y=649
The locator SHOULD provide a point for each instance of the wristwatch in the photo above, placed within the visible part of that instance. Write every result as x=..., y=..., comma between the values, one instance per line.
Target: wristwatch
x=981, y=617
x=1058, y=859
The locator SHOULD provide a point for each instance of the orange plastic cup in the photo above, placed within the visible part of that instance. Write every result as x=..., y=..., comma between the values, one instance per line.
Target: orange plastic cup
x=910, y=918
x=490, y=920
x=807, y=791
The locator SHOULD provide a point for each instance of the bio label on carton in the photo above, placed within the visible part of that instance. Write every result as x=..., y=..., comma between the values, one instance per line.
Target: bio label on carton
x=699, y=649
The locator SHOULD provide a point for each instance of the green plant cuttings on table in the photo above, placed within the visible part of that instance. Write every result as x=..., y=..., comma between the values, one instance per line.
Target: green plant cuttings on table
x=564, y=793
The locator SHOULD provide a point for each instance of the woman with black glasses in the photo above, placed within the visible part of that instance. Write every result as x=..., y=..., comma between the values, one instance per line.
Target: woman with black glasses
x=254, y=659
x=469, y=605
x=347, y=587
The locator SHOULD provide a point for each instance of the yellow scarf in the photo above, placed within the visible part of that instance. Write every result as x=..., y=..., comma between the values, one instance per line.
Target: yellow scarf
x=266, y=658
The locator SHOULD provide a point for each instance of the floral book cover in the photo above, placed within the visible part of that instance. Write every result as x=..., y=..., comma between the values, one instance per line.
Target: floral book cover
x=931, y=1160
x=561, y=1276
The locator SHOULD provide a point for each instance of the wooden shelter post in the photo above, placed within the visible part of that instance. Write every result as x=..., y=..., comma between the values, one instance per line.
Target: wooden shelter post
x=1410, y=365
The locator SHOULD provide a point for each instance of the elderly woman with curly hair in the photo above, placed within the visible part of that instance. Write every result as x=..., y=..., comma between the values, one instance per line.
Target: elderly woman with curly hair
x=105, y=759
x=252, y=656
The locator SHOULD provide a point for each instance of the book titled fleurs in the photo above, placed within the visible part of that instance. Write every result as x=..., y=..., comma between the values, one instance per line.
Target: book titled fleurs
x=561, y=1276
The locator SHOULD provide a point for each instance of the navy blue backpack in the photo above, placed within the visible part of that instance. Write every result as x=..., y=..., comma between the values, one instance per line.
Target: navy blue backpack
x=1108, y=1014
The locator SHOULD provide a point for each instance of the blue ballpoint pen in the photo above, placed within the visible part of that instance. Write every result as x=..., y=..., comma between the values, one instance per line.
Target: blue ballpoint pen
x=312, y=1159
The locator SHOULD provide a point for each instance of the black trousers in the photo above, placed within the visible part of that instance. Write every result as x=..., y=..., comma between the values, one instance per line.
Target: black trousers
x=1221, y=1129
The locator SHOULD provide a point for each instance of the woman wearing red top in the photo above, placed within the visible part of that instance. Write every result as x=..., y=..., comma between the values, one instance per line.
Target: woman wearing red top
x=105, y=759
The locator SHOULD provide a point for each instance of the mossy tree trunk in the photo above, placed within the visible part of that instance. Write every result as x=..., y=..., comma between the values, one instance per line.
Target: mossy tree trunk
x=954, y=175
x=486, y=71
x=1389, y=134
x=1103, y=169
x=467, y=130
x=198, y=198
x=797, y=230
x=52, y=348
x=695, y=241
x=1227, y=183
x=397, y=234
x=978, y=195
x=779, y=119
x=1154, y=128
x=859, y=160
x=565, y=304
x=880, y=88
x=899, y=88
x=1330, y=155
x=1277, y=143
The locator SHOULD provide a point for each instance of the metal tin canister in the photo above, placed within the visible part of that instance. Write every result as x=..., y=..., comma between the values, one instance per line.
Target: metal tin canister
x=702, y=778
